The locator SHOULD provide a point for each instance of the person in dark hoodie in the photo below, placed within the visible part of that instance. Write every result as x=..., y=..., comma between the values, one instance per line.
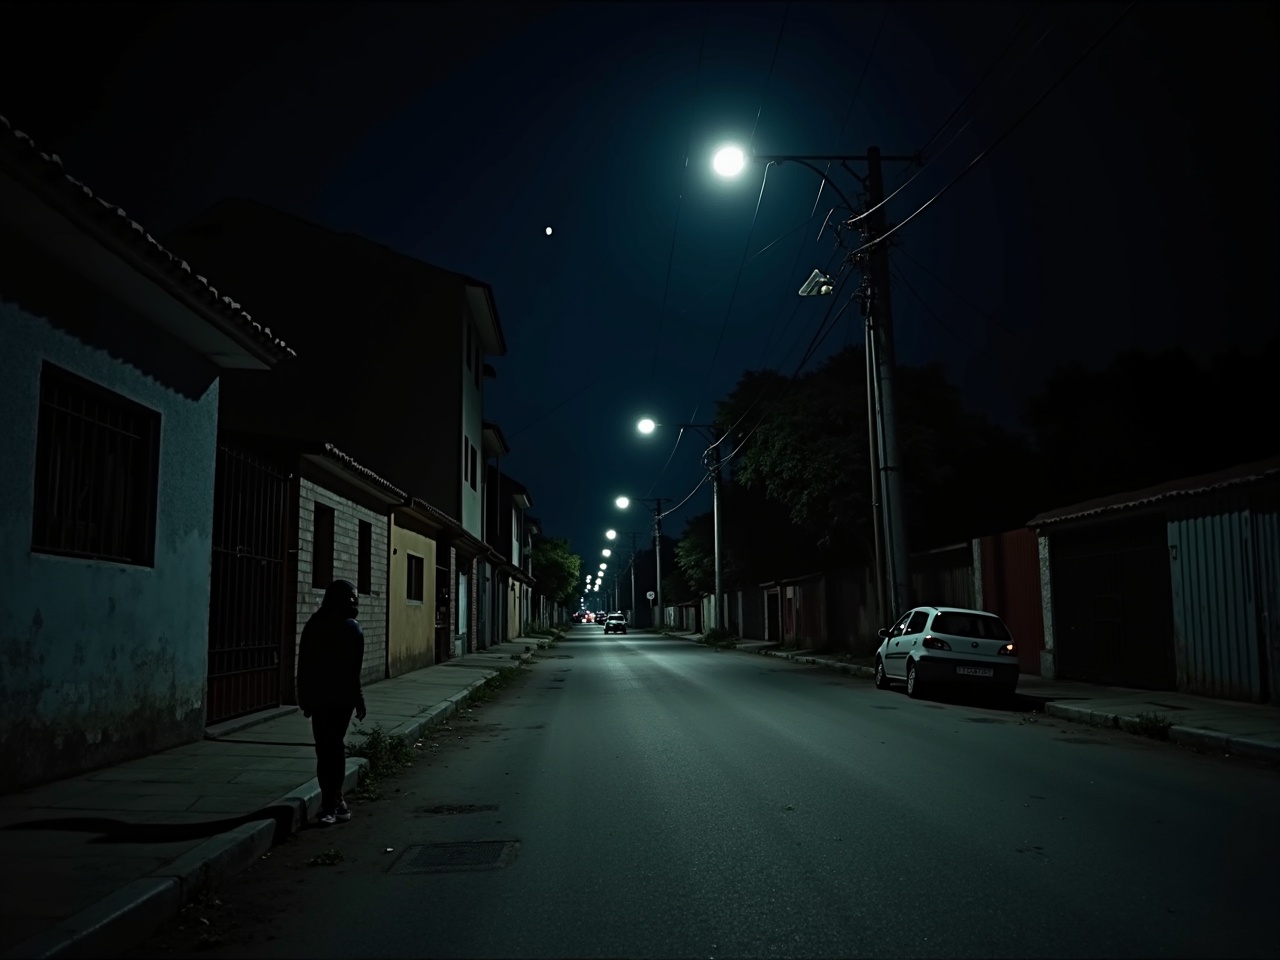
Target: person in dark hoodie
x=330, y=655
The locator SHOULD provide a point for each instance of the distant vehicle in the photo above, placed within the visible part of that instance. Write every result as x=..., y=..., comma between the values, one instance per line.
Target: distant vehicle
x=932, y=646
x=615, y=623
x=588, y=617
x=578, y=616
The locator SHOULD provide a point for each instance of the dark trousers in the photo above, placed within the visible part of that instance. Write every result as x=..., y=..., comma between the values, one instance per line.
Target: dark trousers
x=329, y=730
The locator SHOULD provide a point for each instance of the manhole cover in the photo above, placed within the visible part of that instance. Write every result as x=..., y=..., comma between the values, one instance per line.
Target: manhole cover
x=450, y=808
x=444, y=857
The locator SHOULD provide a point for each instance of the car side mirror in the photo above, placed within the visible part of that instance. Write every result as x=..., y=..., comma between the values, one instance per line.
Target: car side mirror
x=884, y=633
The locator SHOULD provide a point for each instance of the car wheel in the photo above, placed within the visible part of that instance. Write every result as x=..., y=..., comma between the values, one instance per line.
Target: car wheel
x=913, y=682
x=882, y=678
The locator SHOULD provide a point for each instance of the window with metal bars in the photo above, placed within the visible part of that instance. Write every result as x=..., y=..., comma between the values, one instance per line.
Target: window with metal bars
x=97, y=465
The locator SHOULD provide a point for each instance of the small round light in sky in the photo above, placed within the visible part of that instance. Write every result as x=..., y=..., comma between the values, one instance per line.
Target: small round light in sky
x=611, y=534
x=646, y=425
x=623, y=503
x=729, y=161
x=548, y=231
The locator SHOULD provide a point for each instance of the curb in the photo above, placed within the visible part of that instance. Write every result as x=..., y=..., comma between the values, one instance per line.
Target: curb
x=122, y=920
x=1196, y=737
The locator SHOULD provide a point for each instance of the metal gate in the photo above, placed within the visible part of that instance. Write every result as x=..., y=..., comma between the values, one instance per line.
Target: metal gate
x=1113, y=605
x=246, y=603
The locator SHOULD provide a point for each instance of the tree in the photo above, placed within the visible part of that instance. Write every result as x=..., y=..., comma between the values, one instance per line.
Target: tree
x=557, y=570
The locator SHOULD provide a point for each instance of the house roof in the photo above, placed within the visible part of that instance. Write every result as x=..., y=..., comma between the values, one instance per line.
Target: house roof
x=331, y=454
x=495, y=443
x=43, y=175
x=517, y=491
x=479, y=295
x=1244, y=473
x=456, y=533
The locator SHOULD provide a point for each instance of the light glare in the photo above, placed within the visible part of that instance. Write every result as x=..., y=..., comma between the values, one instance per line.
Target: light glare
x=646, y=425
x=623, y=503
x=729, y=161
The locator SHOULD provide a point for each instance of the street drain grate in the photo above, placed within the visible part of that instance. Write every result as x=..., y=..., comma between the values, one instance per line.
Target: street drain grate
x=448, y=857
x=451, y=808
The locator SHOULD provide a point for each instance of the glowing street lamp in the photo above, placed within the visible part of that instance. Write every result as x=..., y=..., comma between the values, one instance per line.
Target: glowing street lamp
x=729, y=160
x=606, y=552
x=611, y=534
x=623, y=503
x=646, y=425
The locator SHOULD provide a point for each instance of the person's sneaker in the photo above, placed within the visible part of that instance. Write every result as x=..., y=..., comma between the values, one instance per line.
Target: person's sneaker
x=343, y=813
x=327, y=818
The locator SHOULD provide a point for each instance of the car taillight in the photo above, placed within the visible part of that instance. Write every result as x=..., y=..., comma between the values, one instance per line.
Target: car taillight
x=933, y=643
x=1008, y=650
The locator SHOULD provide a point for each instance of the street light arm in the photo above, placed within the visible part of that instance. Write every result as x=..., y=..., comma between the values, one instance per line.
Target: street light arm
x=831, y=183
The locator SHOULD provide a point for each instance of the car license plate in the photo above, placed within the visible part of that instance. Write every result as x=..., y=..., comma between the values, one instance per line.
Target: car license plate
x=975, y=671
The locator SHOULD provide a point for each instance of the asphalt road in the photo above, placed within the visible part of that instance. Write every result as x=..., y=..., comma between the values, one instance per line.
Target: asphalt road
x=670, y=800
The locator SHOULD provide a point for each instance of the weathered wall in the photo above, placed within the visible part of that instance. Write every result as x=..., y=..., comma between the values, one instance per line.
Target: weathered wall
x=411, y=639
x=101, y=662
x=373, y=607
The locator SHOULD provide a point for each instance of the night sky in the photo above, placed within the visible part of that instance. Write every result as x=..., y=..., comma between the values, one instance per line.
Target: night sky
x=1135, y=207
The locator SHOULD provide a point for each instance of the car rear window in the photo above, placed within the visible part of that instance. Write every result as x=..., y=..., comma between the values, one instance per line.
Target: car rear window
x=978, y=625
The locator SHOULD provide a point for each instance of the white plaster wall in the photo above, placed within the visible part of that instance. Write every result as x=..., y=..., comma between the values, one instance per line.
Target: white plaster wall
x=373, y=607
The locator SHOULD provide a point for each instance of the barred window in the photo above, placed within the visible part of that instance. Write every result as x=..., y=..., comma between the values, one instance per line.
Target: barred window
x=97, y=463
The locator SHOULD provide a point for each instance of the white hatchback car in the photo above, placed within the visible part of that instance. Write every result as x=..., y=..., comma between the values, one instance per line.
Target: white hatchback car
x=937, y=645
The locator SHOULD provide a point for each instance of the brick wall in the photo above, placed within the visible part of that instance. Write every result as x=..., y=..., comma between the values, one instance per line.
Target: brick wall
x=373, y=607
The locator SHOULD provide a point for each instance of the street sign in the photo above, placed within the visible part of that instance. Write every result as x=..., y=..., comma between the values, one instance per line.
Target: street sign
x=650, y=594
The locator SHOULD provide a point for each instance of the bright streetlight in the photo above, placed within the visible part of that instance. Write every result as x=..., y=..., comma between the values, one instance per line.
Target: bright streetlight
x=623, y=503
x=606, y=552
x=603, y=566
x=611, y=534
x=711, y=459
x=729, y=160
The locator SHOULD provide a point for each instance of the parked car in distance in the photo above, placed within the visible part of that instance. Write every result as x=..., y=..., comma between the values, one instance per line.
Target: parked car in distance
x=933, y=646
x=615, y=623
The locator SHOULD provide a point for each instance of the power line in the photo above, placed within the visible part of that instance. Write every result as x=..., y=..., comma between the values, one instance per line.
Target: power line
x=1019, y=27
x=1000, y=139
x=675, y=230
x=980, y=311
x=902, y=280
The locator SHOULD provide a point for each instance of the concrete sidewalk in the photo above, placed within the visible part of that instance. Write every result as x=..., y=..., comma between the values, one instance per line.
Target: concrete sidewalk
x=78, y=893
x=1226, y=726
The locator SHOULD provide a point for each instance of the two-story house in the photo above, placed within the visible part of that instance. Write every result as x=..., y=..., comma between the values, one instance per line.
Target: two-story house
x=109, y=383
x=394, y=377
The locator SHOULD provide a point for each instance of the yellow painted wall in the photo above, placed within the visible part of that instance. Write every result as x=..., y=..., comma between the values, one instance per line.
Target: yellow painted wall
x=411, y=627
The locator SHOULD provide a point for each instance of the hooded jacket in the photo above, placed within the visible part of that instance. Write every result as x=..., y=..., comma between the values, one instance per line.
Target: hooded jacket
x=331, y=654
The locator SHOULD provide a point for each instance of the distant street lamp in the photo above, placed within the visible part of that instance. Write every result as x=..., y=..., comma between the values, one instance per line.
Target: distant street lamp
x=611, y=534
x=606, y=552
x=711, y=460
x=623, y=503
x=729, y=161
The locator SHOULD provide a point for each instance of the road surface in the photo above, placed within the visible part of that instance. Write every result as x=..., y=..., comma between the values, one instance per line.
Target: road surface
x=664, y=799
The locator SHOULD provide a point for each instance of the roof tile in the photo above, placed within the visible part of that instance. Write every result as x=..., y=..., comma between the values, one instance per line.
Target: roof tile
x=135, y=234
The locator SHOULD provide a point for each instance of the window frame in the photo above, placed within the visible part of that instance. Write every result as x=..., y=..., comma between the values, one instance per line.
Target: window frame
x=324, y=526
x=134, y=430
x=412, y=560
x=364, y=557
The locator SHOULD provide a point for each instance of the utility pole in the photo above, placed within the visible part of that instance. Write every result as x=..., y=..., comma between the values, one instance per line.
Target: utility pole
x=712, y=463
x=880, y=320
x=633, y=576
x=657, y=554
x=873, y=433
